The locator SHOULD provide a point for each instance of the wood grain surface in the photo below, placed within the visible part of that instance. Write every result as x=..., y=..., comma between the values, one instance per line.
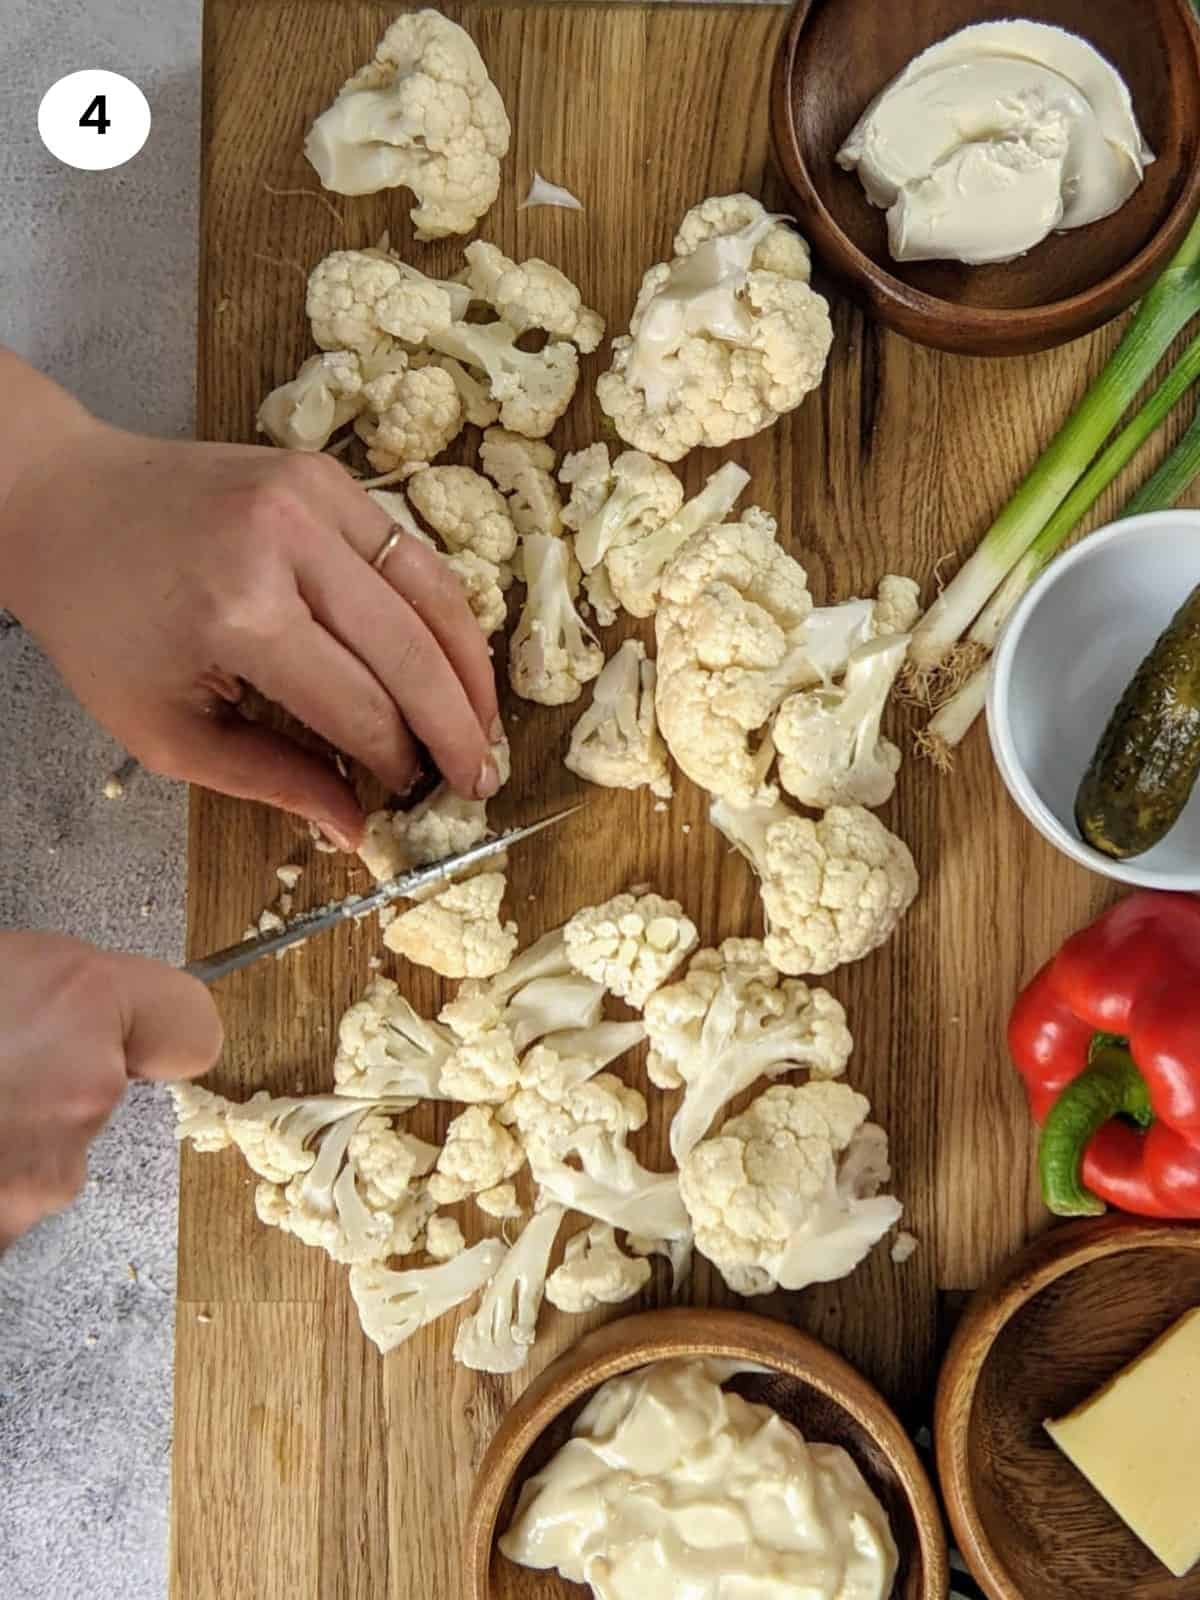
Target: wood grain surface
x=1062, y=1319
x=304, y=1464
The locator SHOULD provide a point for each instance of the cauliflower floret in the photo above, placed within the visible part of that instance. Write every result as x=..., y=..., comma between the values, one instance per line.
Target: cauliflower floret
x=635, y=569
x=478, y=1154
x=500, y=1202
x=277, y=1134
x=723, y=339
x=832, y=890
x=595, y=1271
x=773, y=1207
x=831, y=752
x=631, y=944
x=410, y=417
x=730, y=634
x=200, y=1116
x=392, y=1306
x=523, y=470
x=356, y=1199
x=465, y=511
x=444, y=1238
x=324, y=396
x=457, y=932
x=730, y=1021
x=484, y=1069
x=617, y=504
x=534, y=388
x=480, y=581
x=897, y=605
x=361, y=300
x=443, y=824
x=385, y=1048
x=552, y=653
x=559, y=1095
x=616, y=742
x=423, y=115
x=479, y=409
x=532, y=295
x=500, y=1335
x=612, y=1186
x=602, y=597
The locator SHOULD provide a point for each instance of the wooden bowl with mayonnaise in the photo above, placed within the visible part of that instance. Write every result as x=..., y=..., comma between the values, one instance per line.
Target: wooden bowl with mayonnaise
x=980, y=147
x=797, y=1377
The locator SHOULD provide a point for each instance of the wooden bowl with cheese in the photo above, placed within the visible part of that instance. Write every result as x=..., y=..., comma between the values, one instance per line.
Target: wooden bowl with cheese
x=1062, y=1319
x=804, y=1381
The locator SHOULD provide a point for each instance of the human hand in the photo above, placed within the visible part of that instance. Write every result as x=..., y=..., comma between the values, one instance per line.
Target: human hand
x=162, y=577
x=76, y=1024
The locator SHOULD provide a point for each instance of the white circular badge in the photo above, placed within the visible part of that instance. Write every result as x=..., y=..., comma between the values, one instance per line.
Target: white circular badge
x=94, y=120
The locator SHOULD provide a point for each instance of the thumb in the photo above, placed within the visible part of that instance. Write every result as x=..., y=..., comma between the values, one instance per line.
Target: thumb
x=169, y=1022
x=244, y=759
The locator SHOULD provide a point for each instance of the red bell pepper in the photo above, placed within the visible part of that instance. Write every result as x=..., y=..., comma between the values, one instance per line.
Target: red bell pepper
x=1107, y=1039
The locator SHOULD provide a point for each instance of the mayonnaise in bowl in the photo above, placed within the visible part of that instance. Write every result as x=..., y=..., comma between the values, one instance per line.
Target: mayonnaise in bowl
x=994, y=138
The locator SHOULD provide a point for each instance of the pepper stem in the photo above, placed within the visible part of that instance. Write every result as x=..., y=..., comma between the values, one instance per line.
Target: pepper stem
x=1110, y=1086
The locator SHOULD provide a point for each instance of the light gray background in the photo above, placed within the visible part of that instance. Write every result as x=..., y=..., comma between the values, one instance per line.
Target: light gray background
x=97, y=287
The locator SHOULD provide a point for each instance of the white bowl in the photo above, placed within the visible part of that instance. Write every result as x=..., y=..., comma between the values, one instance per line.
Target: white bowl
x=1063, y=662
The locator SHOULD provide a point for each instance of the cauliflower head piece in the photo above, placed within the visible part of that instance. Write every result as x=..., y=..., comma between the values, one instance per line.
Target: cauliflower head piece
x=615, y=503
x=410, y=415
x=831, y=750
x=730, y=630
x=422, y=115
x=730, y=1021
x=324, y=396
x=387, y=1049
x=616, y=742
x=595, y=1271
x=532, y=295
x=552, y=653
x=392, y=1306
x=723, y=340
x=364, y=300
x=478, y=1154
x=533, y=388
x=523, y=470
x=465, y=511
x=787, y=1194
x=457, y=932
x=832, y=890
x=631, y=943
x=500, y=1335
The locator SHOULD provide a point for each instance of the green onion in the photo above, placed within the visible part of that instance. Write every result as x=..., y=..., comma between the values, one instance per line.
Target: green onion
x=956, y=716
x=1085, y=494
x=1168, y=306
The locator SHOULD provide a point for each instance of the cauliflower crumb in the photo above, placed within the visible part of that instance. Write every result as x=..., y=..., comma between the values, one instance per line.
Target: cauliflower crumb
x=444, y=1238
x=289, y=876
x=904, y=1245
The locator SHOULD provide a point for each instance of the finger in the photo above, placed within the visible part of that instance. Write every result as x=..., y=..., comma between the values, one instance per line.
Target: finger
x=322, y=681
x=244, y=759
x=421, y=576
x=376, y=622
x=170, y=1024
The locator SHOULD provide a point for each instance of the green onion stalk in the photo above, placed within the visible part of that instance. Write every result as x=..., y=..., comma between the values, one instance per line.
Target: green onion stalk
x=1165, y=310
x=956, y=716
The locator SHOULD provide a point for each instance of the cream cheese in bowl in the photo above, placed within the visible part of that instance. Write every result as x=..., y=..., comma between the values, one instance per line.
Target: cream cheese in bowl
x=671, y=1485
x=994, y=138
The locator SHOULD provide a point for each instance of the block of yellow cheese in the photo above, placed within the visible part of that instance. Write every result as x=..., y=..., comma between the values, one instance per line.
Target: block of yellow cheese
x=1138, y=1442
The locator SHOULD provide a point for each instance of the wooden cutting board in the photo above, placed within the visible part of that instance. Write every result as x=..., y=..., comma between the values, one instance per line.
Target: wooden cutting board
x=305, y=1465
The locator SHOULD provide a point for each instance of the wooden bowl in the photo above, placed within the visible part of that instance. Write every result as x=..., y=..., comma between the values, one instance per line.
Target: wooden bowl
x=837, y=54
x=807, y=1384
x=1062, y=1317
